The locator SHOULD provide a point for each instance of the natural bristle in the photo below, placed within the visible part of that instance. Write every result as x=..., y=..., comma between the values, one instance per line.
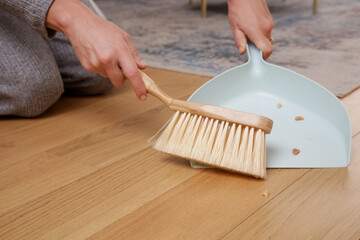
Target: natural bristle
x=216, y=143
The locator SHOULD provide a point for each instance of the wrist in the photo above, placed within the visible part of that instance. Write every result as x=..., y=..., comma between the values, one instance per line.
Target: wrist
x=234, y=6
x=236, y=1
x=64, y=15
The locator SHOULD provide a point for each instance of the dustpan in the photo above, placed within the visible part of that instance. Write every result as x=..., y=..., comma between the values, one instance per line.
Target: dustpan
x=323, y=136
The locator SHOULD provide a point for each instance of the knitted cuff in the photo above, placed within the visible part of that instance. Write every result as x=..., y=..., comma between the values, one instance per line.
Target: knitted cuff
x=31, y=12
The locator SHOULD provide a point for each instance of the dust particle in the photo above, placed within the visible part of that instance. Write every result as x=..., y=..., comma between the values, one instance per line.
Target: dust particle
x=295, y=151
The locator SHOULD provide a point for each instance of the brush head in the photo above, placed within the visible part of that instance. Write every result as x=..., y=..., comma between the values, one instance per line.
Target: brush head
x=218, y=143
x=212, y=135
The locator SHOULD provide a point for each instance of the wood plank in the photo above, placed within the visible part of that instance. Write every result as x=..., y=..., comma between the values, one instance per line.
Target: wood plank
x=351, y=103
x=48, y=132
x=35, y=177
x=170, y=81
x=148, y=194
x=167, y=209
x=193, y=210
x=93, y=202
x=65, y=105
x=205, y=207
x=116, y=141
x=324, y=204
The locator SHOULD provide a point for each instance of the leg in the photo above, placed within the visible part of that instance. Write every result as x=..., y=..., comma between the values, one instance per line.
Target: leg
x=77, y=81
x=203, y=8
x=315, y=6
x=29, y=78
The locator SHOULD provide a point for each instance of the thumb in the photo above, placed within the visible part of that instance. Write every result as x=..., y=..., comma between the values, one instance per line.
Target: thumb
x=240, y=40
x=265, y=46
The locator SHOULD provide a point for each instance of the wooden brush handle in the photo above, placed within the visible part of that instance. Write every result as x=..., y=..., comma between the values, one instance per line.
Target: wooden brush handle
x=211, y=111
x=154, y=90
x=224, y=114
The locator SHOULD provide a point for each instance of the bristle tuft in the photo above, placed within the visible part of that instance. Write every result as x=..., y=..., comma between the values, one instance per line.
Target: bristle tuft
x=232, y=147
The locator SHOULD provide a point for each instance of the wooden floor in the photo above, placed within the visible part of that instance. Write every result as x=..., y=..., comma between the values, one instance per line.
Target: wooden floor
x=85, y=169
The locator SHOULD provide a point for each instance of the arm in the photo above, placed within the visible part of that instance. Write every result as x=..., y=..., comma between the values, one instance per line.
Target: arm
x=100, y=45
x=251, y=19
x=30, y=12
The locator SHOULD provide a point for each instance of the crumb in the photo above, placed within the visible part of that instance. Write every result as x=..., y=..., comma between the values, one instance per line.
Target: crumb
x=299, y=118
x=295, y=151
x=279, y=169
x=266, y=193
x=279, y=105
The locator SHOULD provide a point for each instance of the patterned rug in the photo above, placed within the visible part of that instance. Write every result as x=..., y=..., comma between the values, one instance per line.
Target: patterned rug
x=170, y=34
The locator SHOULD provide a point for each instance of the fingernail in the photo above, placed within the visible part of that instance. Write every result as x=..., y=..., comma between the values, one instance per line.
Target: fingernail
x=241, y=49
x=143, y=97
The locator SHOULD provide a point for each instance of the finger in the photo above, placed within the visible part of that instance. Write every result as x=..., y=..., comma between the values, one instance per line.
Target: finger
x=101, y=71
x=103, y=74
x=93, y=65
x=139, y=62
x=268, y=49
x=142, y=65
x=115, y=75
x=97, y=70
x=131, y=72
x=264, y=44
x=268, y=29
x=240, y=41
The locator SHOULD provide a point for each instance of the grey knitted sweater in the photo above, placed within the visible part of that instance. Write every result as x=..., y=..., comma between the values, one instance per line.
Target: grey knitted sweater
x=32, y=12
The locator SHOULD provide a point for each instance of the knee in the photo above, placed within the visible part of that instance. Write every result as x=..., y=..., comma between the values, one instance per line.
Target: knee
x=39, y=98
x=88, y=84
x=30, y=80
x=33, y=99
x=99, y=85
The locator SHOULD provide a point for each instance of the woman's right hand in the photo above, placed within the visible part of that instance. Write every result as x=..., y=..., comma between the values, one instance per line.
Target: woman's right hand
x=100, y=45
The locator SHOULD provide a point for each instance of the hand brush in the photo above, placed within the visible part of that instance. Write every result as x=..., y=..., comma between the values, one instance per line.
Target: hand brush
x=212, y=135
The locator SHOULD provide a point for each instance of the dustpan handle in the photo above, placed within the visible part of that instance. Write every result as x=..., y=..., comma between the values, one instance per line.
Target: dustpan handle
x=254, y=54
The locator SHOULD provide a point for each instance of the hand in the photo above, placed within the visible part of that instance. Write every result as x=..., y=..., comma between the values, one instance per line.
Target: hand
x=251, y=19
x=100, y=45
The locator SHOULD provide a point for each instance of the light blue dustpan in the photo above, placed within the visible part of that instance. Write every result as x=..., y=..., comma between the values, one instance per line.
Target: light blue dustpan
x=323, y=137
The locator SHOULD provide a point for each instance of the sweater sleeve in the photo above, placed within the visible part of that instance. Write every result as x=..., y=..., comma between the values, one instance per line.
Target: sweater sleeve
x=32, y=12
